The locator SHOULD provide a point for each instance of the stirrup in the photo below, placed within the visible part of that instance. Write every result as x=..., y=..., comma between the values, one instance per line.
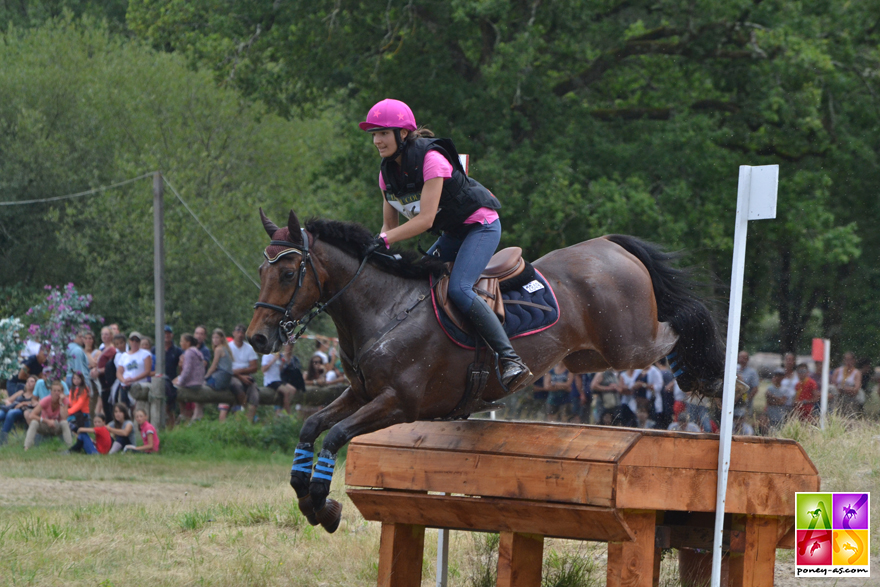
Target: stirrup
x=518, y=380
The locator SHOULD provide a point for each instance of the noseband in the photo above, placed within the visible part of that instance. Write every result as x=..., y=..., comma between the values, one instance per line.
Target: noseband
x=290, y=329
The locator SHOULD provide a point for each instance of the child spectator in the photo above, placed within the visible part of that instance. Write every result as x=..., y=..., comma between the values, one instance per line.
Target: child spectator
x=102, y=442
x=121, y=428
x=49, y=418
x=79, y=401
x=148, y=433
x=808, y=394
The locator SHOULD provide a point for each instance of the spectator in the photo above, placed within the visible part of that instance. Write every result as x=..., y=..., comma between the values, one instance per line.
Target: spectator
x=684, y=423
x=645, y=422
x=41, y=389
x=149, y=435
x=653, y=388
x=848, y=380
x=32, y=346
x=740, y=425
x=808, y=395
x=114, y=329
x=192, y=372
x=558, y=382
x=333, y=372
x=867, y=371
x=777, y=409
x=76, y=356
x=244, y=364
x=121, y=428
x=17, y=407
x=789, y=380
x=49, y=418
x=219, y=375
x=606, y=387
x=582, y=398
x=315, y=372
x=134, y=365
x=748, y=376
x=79, y=400
x=321, y=348
x=92, y=354
x=201, y=334
x=106, y=338
x=664, y=401
x=629, y=385
x=698, y=411
x=34, y=365
x=271, y=367
x=147, y=345
x=172, y=361
x=291, y=372
x=102, y=442
x=106, y=373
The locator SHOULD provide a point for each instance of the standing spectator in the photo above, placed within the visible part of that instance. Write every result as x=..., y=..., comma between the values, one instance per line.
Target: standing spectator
x=808, y=394
x=848, y=380
x=629, y=385
x=79, y=400
x=134, y=365
x=664, y=401
x=17, y=407
x=32, y=346
x=557, y=382
x=102, y=442
x=106, y=338
x=582, y=398
x=606, y=388
x=653, y=388
x=114, y=329
x=244, y=365
x=172, y=360
x=34, y=365
x=867, y=371
x=149, y=434
x=777, y=409
x=789, y=380
x=121, y=428
x=76, y=356
x=271, y=367
x=49, y=418
x=92, y=354
x=750, y=377
x=219, y=375
x=105, y=371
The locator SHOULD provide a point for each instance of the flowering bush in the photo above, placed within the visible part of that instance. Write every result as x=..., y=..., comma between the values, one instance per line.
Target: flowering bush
x=11, y=346
x=58, y=319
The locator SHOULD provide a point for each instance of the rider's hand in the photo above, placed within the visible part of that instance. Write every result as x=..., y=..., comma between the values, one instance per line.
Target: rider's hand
x=376, y=244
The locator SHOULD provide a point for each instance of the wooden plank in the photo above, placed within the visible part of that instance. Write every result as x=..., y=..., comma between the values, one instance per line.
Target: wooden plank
x=755, y=567
x=550, y=440
x=694, y=490
x=702, y=453
x=696, y=537
x=491, y=515
x=787, y=533
x=401, y=548
x=520, y=557
x=631, y=564
x=564, y=481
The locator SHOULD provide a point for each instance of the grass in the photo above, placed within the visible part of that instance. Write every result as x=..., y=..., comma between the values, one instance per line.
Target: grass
x=221, y=514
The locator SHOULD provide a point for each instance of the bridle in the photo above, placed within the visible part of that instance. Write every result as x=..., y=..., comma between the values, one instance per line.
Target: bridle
x=289, y=328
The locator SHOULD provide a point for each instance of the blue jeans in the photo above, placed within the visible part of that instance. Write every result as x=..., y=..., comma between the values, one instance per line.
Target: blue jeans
x=12, y=416
x=87, y=444
x=471, y=255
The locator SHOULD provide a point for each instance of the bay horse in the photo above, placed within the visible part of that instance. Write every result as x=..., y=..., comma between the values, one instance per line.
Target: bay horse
x=621, y=304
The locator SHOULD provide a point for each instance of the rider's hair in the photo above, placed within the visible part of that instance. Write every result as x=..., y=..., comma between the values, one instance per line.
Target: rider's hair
x=421, y=132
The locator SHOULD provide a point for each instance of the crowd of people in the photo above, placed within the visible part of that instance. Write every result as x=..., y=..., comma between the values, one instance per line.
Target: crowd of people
x=651, y=398
x=91, y=407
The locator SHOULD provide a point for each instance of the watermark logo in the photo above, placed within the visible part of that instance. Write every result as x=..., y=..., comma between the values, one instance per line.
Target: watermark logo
x=832, y=534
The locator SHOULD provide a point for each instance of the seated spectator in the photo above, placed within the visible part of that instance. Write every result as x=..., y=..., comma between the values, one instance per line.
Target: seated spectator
x=102, y=442
x=17, y=407
x=34, y=365
x=78, y=412
x=192, y=371
x=41, y=389
x=321, y=348
x=644, y=419
x=149, y=435
x=684, y=424
x=808, y=394
x=315, y=373
x=121, y=428
x=219, y=374
x=49, y=418
x=557, y=382
x=244, y=365
x=333, y=372
x=777, y=409
x=271, y=367
x=291, y=371
x=133, y=366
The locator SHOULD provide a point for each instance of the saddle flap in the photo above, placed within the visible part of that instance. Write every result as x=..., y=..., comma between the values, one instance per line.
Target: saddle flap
x=488, y=289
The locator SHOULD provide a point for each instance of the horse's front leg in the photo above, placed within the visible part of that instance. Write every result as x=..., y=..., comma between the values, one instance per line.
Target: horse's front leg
x=301, y=472
x=382, y=412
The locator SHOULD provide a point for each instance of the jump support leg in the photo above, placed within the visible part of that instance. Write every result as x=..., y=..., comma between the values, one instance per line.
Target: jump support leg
x=401, y=548
x=633, y=564
x=519, y=560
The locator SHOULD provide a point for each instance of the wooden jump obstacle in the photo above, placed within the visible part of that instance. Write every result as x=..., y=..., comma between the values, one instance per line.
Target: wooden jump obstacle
x=638, y=490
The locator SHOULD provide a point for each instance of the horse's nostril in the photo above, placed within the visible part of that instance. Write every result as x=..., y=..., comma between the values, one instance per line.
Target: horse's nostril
x=259, y=340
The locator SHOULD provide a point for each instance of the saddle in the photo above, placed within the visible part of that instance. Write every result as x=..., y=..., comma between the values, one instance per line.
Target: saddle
x=505, y=264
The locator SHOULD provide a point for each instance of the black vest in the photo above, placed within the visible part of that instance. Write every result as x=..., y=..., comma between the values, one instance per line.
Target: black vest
x=461, y=195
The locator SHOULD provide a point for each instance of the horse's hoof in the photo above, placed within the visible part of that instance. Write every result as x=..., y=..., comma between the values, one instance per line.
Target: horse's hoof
x=330, y=516
x=306, y=508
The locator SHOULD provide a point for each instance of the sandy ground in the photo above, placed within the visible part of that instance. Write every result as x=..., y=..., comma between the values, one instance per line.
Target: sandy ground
x=33, y=492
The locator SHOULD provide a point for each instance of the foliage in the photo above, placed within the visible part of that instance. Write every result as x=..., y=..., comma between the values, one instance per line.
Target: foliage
x=236, y=433
x=57, y=320
x=11, y=346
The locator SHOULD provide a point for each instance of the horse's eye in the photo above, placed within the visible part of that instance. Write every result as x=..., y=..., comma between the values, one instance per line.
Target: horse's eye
x=289, y=274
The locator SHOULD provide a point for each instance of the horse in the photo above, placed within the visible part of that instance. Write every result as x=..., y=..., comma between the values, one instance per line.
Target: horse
x=622, y=304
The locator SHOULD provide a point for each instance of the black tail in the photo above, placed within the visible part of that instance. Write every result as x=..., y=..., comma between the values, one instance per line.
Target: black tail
x=699, y=353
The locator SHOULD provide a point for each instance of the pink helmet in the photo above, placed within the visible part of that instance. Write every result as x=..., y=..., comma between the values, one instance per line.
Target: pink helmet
x=389, y=114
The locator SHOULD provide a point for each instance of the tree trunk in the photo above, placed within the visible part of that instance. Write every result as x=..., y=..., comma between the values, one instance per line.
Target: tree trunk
x=313, y=396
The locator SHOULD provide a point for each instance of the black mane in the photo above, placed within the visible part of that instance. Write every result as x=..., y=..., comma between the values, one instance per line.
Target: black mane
x=354, y=238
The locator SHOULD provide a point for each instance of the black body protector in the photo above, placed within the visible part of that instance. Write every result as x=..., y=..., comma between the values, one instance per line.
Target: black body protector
x=461, y=196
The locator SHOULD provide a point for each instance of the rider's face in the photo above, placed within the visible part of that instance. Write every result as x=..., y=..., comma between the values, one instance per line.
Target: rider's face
x=385, y=141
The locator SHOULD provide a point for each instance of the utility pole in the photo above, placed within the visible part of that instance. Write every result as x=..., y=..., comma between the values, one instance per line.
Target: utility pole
x=157, y=389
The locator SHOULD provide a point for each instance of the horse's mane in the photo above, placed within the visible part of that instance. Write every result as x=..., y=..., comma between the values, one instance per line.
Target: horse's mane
x=353, y=238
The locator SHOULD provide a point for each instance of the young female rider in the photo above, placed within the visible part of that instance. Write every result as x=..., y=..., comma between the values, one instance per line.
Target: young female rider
x=422, y=178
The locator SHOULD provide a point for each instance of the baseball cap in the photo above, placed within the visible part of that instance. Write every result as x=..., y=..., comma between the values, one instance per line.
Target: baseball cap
x=168, y=328
x=135, y=334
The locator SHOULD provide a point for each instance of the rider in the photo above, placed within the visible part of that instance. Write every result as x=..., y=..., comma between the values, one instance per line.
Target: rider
x=422, y=178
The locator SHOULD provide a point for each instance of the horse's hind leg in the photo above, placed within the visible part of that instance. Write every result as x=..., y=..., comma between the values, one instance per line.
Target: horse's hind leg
x=382, y=412
x=301, y=471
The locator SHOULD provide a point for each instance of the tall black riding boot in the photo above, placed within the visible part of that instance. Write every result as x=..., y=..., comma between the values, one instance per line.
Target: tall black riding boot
x=514, y=372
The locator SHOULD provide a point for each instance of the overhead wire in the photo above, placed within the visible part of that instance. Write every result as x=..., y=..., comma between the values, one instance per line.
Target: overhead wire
x=77, y=195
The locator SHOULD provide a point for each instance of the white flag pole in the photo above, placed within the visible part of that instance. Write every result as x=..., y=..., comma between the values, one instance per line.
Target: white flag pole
x=826, y=359
x=756, y=199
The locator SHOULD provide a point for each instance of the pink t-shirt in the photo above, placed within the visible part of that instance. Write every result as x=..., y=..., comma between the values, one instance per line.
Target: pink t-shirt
x=146, y=430
x=436, y=165
x=50, y=413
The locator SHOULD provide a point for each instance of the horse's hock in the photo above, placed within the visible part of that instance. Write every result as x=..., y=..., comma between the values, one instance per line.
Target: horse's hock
x=638, y=490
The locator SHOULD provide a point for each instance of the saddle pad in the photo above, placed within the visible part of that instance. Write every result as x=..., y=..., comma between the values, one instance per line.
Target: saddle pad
x=520, y=319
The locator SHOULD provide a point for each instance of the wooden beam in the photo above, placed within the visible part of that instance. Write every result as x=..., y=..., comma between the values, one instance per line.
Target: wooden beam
x=401, y=548
x=631, y=564
x=520, y=557
x=755, y=567
x=694, y=537
x=314, y=395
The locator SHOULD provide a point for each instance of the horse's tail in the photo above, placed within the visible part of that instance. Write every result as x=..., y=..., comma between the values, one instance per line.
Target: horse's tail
x=698, y=356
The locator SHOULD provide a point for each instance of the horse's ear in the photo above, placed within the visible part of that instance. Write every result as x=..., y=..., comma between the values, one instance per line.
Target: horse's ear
x=270, y=227
x=293, y=227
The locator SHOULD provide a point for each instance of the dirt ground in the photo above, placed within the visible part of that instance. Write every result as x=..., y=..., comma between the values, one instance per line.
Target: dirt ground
x=25, y=491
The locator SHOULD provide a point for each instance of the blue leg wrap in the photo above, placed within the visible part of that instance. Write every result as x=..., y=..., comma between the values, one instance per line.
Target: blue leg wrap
x=671, y=355
x=302, y=461
x=677, y=373
x=324, y=467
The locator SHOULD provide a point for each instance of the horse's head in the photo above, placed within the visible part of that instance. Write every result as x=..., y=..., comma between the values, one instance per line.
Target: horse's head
x=289, y=285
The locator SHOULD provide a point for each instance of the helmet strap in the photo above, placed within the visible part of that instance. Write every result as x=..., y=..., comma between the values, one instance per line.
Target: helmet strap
x=400, y=144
